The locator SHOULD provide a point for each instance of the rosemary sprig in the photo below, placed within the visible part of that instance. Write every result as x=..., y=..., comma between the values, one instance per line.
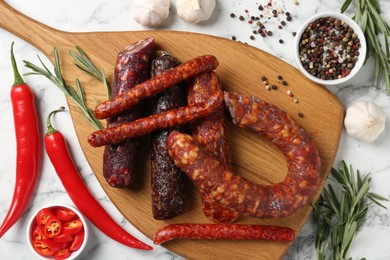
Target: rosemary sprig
x=86, y=65
x=373, y=26
x=58, y=80
x=340, y=216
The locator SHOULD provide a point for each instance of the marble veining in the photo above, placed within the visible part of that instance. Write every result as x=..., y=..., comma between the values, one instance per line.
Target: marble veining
x=104, y=15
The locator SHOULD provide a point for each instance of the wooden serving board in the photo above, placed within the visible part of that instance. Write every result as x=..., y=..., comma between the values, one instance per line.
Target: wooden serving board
x=241, y=68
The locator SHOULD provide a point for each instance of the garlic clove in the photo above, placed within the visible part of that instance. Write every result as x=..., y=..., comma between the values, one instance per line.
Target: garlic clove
x=195, y=11
x=365, y=121
x=150, y=13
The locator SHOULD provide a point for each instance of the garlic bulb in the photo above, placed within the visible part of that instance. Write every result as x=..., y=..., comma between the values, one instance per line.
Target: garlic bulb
x=195, y=11
x=365, y=121
x=150, y=12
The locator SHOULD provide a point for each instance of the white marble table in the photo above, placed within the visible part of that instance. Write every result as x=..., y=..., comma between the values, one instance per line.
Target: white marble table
x=98, y=15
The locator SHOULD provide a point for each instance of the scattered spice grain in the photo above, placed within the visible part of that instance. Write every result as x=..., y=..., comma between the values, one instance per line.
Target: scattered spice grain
x=274, y=87
x=284, y=83
x=300, y=114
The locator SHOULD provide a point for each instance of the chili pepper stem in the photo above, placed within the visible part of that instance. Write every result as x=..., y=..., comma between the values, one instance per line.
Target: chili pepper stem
x=50, y=128
x=18, y=80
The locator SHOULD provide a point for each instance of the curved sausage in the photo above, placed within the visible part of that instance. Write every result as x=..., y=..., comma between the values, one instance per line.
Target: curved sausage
x=209, y=132
x=132, y=68
x=155, y=85
x=224, y=232
x=167, y=180
x=163, y=120
x=248, y=198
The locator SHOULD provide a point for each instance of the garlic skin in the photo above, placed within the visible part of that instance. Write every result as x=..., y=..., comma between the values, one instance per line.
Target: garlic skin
x=365, y=121
x=150, y=13
x=195, y=11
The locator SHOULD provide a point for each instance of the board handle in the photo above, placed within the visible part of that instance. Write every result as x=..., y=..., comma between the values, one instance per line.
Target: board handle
x=28, y=29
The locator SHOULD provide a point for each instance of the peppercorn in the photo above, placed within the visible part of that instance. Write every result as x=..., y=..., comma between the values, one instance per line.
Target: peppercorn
x=252, y=37
x=280, y=77
x=300, y=114
x=274, y=87
x=281, y=41
x=234, y=38
x=241, y=18
x=269, y=33
x=232, y=15
x=263, y=78
x=326, y=46
x=284, y=83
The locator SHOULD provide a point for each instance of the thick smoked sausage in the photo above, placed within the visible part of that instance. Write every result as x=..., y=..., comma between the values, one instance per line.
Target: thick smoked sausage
x=132, y=68
x=248, y=198
x=209, y=132
x=167, y=180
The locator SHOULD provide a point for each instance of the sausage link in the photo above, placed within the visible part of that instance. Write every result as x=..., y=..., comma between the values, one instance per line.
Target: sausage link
x=164, y=120
x=248, y=198
x=167, y=180
x=155, y=85
x=224, y=232
x=132, y=68
x=209, y=132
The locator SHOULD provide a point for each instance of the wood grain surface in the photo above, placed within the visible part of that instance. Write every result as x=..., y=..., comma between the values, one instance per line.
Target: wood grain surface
x=241, y=68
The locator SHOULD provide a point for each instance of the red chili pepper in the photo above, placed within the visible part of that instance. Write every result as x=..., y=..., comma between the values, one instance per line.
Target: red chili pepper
x=27, y=146
x=59, y=155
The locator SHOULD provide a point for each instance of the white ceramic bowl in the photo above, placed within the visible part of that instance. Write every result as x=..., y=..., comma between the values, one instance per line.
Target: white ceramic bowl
x=362, y=49
x=32, y=221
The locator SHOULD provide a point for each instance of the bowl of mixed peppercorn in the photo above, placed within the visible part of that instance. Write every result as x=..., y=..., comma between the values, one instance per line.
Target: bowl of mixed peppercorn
x=330, y=48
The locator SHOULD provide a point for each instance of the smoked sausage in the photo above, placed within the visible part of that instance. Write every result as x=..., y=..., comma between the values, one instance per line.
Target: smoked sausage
x=132, y=68
x=167, y=180
x=155, y=85
x=248, y=198
x=224, y=232
x=209, y=132
x=160, y=121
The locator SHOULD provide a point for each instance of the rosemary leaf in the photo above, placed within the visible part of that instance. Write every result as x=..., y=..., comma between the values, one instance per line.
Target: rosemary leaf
x=345, y=5
x=340, y=215
x=68, y=90
x=375, y=28
x=86, y=65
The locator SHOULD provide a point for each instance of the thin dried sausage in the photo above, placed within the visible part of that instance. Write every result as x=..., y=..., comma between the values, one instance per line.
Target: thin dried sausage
x=167, y=180
x=224, y=232
x=248, y=198
x=209, y=132
x=132, y=68
x=155, y=85
x=164, y=120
